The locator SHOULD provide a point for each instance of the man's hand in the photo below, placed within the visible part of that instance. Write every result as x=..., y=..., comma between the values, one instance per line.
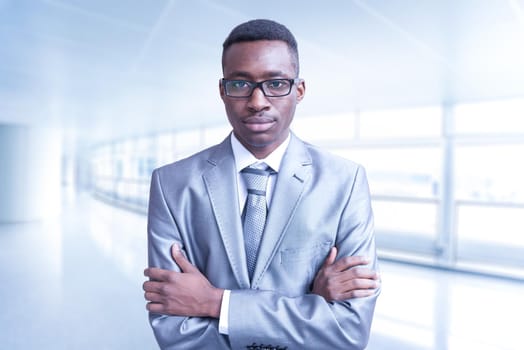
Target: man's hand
x=345, y=279
x=186, y=293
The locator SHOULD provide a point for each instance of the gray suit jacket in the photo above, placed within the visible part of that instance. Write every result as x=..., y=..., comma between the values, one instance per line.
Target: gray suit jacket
x=320, y=200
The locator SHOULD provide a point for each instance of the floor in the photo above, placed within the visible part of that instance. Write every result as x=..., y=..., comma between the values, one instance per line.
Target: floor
x=74, y=282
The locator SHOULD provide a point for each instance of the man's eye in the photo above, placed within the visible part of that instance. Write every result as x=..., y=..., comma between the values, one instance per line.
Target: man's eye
x=239, y=84
x=276, y=84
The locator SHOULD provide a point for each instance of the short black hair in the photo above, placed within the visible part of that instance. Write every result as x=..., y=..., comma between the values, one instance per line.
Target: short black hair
x=262, y=29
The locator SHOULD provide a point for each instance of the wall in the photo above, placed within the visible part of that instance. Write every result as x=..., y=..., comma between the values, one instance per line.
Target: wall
x=30, y=173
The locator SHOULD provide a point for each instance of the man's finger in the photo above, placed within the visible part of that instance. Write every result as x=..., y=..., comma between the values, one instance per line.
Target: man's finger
x=157, y=308
x=152, y=286
x=181, y=260
x=359, y=293
x=359, y=272
x=330, y=258
x=153, y=297
x=156, y=274
x=360, y=283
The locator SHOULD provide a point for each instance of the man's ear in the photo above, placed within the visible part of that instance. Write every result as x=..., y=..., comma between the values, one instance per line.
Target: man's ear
x=221, y=89
x=301, y=90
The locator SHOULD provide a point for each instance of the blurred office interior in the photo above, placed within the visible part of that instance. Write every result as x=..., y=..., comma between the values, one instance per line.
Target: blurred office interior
x=427, y=94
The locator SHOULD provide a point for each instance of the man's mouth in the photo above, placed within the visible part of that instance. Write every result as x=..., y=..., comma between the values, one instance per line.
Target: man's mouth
x=259, y=123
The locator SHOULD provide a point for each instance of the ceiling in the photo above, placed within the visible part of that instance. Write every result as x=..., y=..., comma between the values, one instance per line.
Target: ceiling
x=106, y=69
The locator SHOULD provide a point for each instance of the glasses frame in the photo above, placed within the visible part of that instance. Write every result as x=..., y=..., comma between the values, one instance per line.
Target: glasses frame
x=260, y=85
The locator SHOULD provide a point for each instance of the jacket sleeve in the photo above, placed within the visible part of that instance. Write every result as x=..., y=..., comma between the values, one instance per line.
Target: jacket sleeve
x=174, y=332
x=308, y=321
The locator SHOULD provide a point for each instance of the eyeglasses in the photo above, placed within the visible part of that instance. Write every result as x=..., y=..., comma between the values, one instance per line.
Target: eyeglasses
x=270, y=88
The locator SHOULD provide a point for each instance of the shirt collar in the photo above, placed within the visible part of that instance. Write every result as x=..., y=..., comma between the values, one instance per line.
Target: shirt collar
x=244, y=158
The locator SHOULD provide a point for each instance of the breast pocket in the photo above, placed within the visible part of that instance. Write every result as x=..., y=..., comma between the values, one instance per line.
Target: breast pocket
x=302, y=263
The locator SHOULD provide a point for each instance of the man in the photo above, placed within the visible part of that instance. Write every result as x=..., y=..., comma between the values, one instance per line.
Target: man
x=304, y=283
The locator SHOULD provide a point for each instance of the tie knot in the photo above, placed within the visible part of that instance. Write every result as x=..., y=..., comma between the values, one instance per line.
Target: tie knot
x=256, y=179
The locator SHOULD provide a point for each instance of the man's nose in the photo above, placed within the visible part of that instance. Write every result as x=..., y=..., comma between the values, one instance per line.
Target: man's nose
x=258, y=101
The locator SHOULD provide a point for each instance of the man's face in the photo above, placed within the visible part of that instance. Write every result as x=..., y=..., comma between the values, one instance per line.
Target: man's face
x=260, y=123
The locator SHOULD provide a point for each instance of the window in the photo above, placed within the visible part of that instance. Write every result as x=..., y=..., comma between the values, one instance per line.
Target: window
x=446, y=181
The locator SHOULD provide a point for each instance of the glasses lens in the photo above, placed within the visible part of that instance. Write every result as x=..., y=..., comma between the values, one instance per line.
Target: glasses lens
x=238, y=88
x=277, y=87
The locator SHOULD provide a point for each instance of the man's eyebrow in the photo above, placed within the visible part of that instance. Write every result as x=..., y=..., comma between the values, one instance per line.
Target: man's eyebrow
x=241, y=75
x=275, y=74
x=266, y=75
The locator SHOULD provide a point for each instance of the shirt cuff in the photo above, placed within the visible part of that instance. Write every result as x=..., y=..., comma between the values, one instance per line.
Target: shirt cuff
x=223, y=321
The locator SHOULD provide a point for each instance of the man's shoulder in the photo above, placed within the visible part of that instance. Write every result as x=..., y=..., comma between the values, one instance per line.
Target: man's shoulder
x=324, y=157
x=195, y=163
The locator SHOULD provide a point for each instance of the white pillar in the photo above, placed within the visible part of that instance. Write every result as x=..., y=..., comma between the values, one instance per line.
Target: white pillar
x=30, y=173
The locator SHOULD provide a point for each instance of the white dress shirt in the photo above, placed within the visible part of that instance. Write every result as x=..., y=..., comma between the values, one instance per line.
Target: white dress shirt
x=244, y=158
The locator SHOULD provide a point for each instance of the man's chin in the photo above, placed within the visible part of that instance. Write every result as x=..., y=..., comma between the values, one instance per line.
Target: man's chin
x=261, y=140
x=260, y=143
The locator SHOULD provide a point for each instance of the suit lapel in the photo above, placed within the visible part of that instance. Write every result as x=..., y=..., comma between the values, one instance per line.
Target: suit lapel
x=221, y=186
x=292, y=177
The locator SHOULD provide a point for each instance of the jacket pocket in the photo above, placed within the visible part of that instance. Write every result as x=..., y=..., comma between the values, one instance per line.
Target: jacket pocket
x=302, y=263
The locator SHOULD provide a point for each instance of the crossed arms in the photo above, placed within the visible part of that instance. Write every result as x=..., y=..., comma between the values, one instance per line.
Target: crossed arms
x=189, y=293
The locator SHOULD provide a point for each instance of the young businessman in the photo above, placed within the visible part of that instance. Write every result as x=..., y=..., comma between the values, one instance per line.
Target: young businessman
x=288, y=265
